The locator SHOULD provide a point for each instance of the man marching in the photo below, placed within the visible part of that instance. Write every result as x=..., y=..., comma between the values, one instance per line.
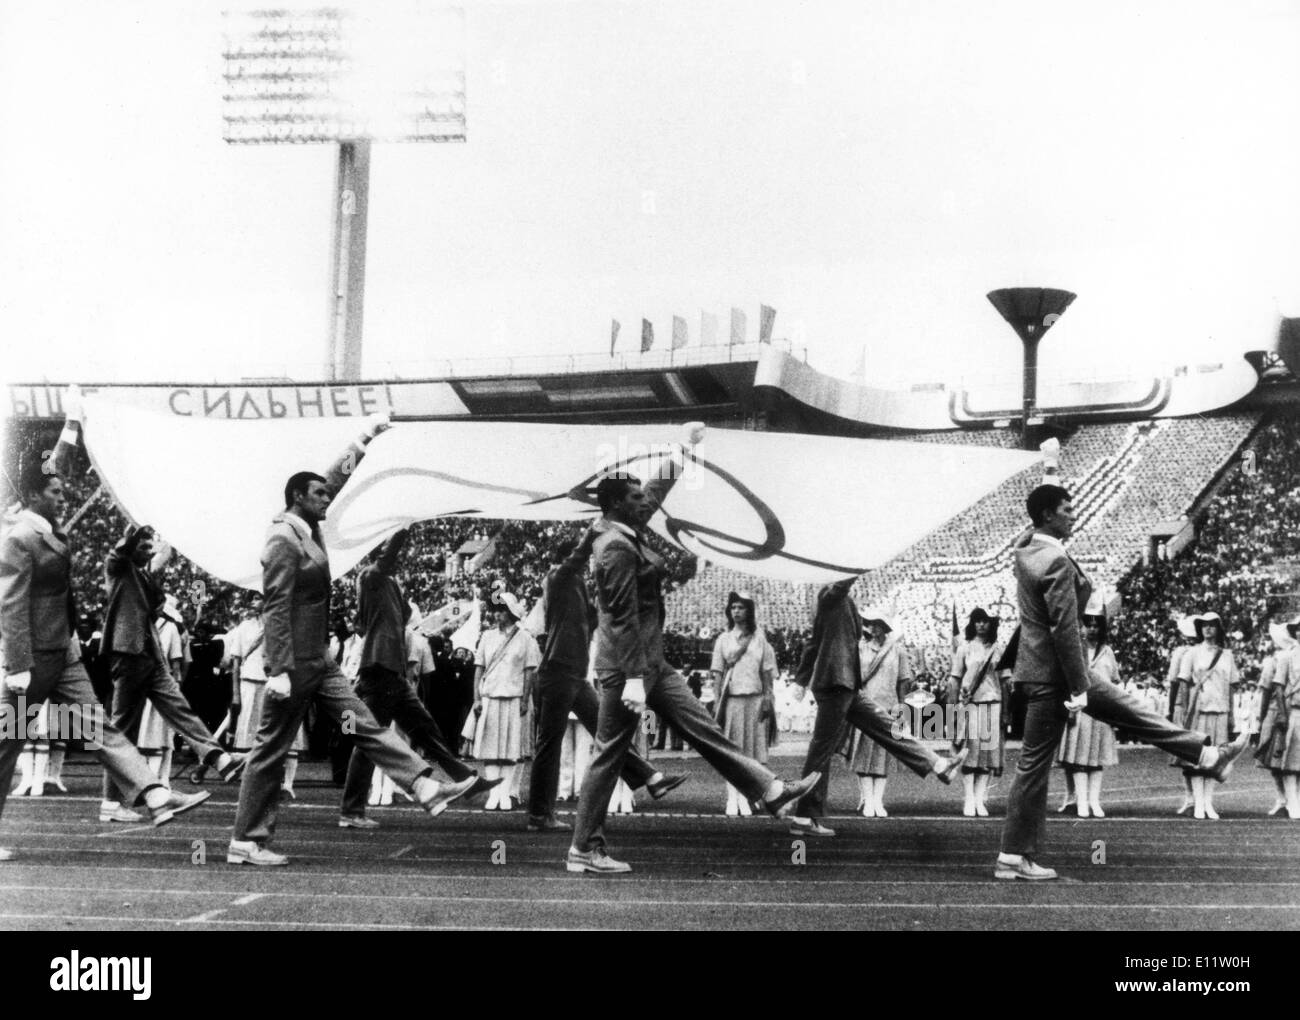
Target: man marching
x=295, y=618
x=42, y=657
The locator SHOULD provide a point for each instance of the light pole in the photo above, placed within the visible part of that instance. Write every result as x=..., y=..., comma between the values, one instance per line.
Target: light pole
x=389, y=71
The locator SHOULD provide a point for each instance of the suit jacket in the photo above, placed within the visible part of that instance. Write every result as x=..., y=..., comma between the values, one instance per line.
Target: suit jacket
x=37, y=610
x=382, y=612
x=1052, y=591
x=629, y=605
x=831, y=659
x=133, y=601
x=296, y=596
x=569, y=617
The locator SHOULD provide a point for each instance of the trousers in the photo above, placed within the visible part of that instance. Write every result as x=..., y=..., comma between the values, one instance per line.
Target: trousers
x=562, y=692
x=137, y=678
x=324, y=682
x=670, y=699
x=839, y=707
x=391, y=699
x=60, y=677
x=1045, y=719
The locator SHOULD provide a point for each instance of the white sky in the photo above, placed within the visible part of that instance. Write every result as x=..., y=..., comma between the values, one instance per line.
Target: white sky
x=871, y=169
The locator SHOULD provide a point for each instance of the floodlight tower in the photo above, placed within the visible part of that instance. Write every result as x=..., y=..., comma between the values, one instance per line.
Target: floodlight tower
x=1031, y=311
x=388, y=71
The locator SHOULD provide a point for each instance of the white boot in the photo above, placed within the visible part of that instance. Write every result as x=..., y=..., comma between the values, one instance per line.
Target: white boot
x=981, y=794
x=165, y=768
x=1198, y=796
x=742, y=802
x=27, y=767
x=290, y=773
x=386, y=791
x=54, y=773
x=42, y=763
x=1081, y=792
x=376, y=788
x=733, y=796
x=494, y=795
x=505, y=802
x=1279, y=805
x=880, y=797
x=968, y=785
x=1210, y=785
x=1094, y=794
x=1291, y=784
x=1189, y=799
x=869, y=796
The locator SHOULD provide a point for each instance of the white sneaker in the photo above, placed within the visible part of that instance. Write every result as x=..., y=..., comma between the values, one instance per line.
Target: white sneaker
x=248, y=852
x=434, y=796
x=6, y=855
x=596, y=861
x=112, y=811
x=1014, y=866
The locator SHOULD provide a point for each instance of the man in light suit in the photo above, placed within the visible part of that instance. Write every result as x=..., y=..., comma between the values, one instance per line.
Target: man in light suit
x=295, y=618
x=42, y=656
x=563, y=688
x=831, y=667
x=382, y=615
x=137, y=663
x=631, y=673
x=1052, y=670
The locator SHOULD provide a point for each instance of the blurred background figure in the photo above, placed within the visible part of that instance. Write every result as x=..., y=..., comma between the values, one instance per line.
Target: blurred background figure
x=1087, y=745
x=981, y=691
x=743, y=672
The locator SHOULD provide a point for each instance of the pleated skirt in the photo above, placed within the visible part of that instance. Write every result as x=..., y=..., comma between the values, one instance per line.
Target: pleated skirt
x=501, y=731
x=741, y=725
x=155, y=732
x=1282, y=753
x=981, y=727
x=1087, y=744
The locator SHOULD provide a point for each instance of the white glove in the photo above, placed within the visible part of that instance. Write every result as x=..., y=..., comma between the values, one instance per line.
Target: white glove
x=278, y=686
x=800, y=693
x=375, y=424
x=19, y=682
x=1078, y=702
x=634, y=694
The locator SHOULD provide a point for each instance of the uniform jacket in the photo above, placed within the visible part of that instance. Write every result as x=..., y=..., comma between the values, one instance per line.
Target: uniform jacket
x=37, y=610
x=1052, y=592
x=569, y=616
x=133, y=599
x=296, y=596
x=382, y=612
x=629, y=605
x=831, y=658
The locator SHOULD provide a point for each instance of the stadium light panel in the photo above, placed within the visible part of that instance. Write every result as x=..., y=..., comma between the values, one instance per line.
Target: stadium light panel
x=389, y=71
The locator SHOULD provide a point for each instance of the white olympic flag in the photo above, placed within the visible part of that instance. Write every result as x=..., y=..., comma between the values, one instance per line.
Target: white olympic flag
x=785, y=506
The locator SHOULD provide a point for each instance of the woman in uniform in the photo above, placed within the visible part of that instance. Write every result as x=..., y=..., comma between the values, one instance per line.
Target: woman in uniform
x=980, y=688
x=505, y=666
x=743, y=672
x=886, y=681
x=1088, y=746
x=1210, y=671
